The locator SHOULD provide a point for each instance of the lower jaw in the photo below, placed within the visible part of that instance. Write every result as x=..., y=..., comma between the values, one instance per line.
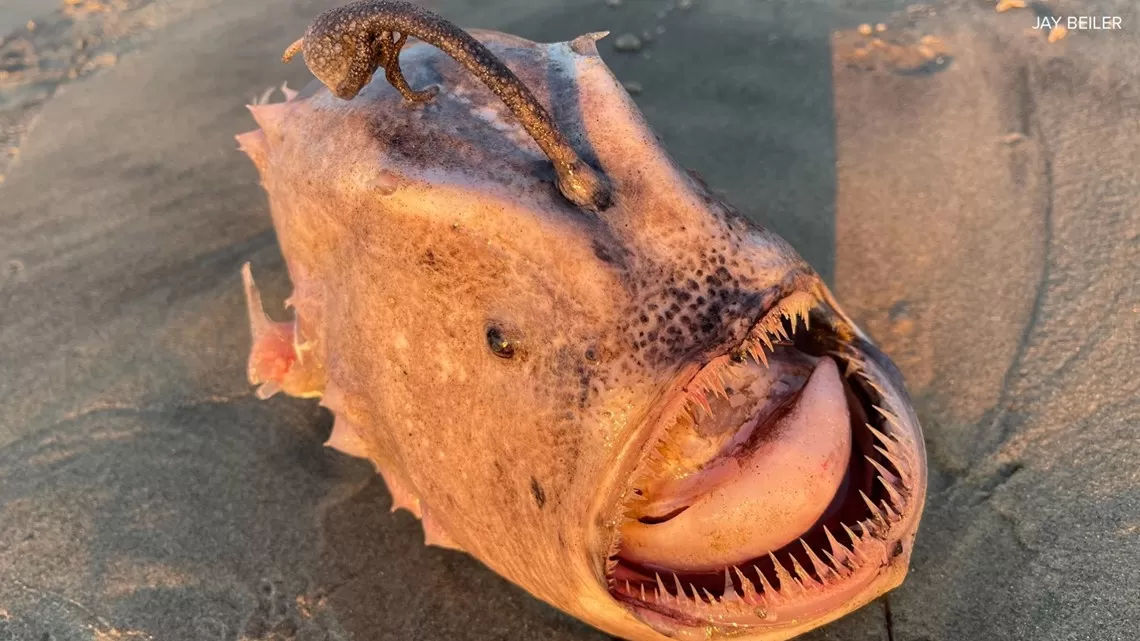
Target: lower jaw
x=873, y=563
x=743, y=619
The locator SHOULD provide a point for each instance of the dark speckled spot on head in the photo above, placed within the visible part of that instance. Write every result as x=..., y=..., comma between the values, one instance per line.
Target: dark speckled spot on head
x=538, y=492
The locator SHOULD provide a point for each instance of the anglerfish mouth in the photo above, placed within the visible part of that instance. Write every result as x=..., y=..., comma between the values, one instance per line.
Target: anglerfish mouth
x=783, y=486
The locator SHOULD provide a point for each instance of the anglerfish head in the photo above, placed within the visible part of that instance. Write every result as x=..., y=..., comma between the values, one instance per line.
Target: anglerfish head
x=615, y=391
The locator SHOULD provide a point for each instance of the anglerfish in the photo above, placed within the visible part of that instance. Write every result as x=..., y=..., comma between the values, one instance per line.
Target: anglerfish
x=561, y=350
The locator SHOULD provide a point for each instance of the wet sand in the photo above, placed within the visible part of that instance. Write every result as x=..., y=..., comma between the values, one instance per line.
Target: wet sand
x=979, y=216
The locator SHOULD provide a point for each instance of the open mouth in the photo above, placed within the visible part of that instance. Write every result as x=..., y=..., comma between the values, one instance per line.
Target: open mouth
x=779, y=488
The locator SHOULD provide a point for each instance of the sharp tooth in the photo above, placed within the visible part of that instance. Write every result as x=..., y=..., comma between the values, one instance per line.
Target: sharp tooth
x=661, y=591
x=853, y=366
x=854, y=538
x=896, y=461
x=878, y=389
x=804, y=312
x=886, y=440
x=680, y=591
x=628, y=590
x=757, y=353
x=791, y=315
x=839, y=568
x=896, y=496
x=643, y=593
x=767, y=340
x=817, y=564
x=686, y=414
x=858, y=547
x=698, y=397
x=749, y=589
x=711, y=381
x=707, y=597
x=780, y=331
x=892, y=516
x=611, y=564
x=719, y=382
x=729, y=588
x=770, y=593
x=883, y=471
x=837, y=548
x=891, y=418
x=715, y=384
x=786, y=580
x=871, y=506
x=803, y=577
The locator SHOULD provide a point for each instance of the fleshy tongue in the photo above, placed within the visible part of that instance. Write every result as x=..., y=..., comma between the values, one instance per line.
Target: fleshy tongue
x=765, y=500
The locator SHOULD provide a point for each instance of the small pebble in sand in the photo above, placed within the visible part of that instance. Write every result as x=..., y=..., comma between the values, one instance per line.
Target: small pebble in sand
x=633, y=87
x=660, y=30
x=31, y=25
x=646, y=36
x=107, y=59
x=1056, y=33
x=613, y=3
x=880, y=27
x=684, y=4
x=1006, y=5
x=929, y=47
x=865, y=29
x=1012, y=139
x=627, y=42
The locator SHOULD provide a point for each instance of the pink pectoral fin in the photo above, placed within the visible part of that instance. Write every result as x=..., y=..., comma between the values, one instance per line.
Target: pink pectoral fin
x=272, y=354
x=274, y=364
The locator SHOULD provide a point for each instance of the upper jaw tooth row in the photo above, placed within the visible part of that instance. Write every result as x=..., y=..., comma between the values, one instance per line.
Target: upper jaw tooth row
x=795, y=308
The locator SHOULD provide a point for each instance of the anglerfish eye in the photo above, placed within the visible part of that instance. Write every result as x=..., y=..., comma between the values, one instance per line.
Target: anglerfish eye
x=501, y=344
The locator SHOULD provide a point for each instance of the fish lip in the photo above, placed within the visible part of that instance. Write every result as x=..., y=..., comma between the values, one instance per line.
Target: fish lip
x=895, y=541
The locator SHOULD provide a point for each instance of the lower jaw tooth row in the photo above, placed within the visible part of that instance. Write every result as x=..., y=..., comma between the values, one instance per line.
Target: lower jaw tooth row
x=841, y=563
